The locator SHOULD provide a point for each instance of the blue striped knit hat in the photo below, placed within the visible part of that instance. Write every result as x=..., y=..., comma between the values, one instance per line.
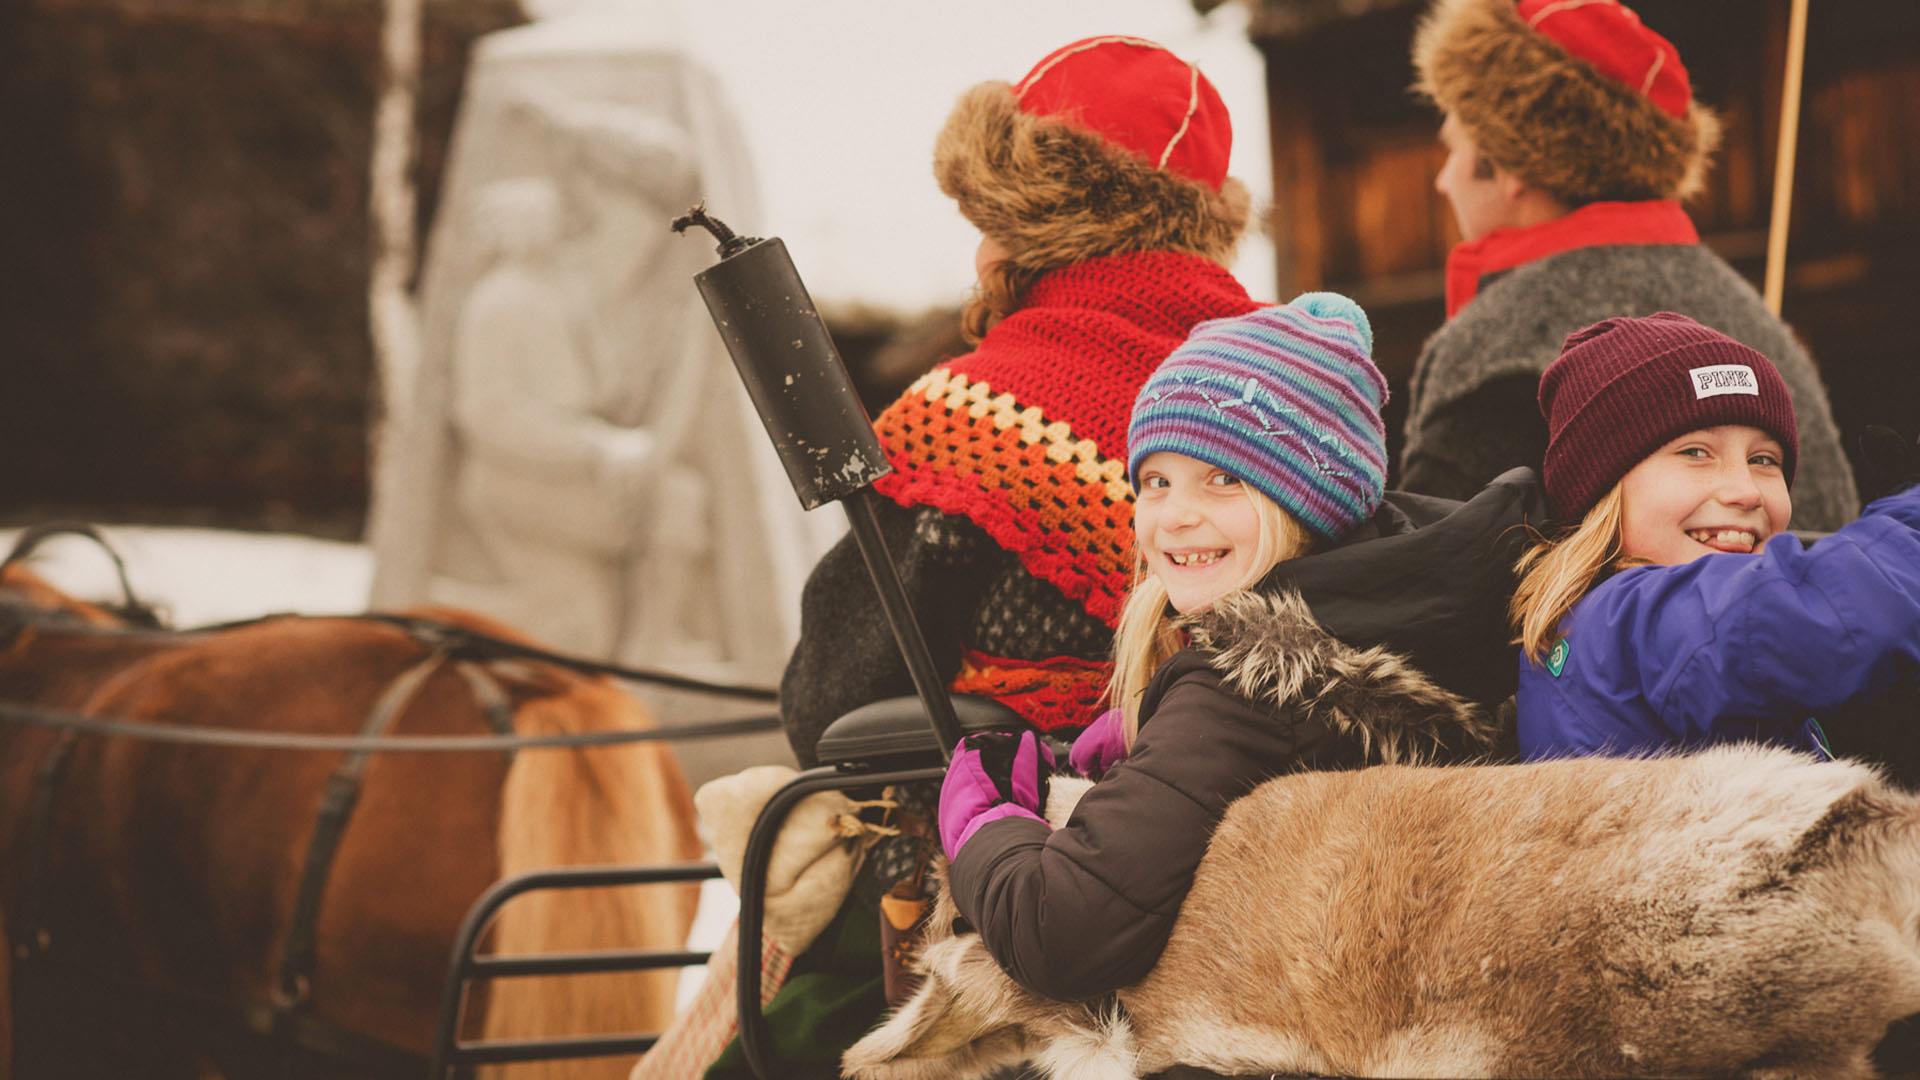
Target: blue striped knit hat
x=1287, y=399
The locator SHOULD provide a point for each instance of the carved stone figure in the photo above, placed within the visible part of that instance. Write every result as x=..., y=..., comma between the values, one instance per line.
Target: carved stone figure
x=576, y=454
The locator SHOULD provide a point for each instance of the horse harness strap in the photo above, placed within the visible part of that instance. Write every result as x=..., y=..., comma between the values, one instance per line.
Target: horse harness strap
x=293, y=985
x=495, y=705
x=284, y=1018
x=29, y=930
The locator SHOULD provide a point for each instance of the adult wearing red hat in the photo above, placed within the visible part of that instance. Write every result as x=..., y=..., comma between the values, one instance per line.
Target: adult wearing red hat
x=1099, y=185
x=1573, y=136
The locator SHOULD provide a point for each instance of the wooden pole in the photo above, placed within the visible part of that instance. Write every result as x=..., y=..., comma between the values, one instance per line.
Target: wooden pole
x=392, y=315
x=1783, y=158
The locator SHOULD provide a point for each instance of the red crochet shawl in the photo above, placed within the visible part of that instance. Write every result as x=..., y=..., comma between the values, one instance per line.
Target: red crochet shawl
x=1026, y=436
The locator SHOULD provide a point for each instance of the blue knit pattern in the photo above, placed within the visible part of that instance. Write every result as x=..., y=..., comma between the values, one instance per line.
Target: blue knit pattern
x=1287, y=398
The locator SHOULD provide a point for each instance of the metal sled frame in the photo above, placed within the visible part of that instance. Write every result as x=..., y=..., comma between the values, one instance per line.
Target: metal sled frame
x=793, y=373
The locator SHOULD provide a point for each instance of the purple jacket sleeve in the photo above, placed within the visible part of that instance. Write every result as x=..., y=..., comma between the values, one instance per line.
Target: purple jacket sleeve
x=1779, y=635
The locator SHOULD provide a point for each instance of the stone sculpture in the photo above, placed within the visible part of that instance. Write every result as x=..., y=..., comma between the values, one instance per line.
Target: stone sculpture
x=576, y=455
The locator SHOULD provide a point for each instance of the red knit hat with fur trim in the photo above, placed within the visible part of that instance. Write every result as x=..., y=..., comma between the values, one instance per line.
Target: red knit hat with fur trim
x=1611, y=37
x=1169, y=115
x=1622, y=388
x=1121, y=116
x=1577, y=97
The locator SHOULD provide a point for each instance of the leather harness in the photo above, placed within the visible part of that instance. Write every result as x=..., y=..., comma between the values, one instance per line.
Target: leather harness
x=285, y=1019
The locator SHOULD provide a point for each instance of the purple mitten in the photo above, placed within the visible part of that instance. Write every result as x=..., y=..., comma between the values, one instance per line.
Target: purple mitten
x=1102, y=745
x=993, y=775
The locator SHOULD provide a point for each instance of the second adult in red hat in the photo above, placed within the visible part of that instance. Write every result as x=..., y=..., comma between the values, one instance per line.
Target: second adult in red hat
x=1579, y=98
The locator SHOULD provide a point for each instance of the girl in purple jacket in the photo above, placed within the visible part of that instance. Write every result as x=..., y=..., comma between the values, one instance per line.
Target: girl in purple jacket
x=1668, y=442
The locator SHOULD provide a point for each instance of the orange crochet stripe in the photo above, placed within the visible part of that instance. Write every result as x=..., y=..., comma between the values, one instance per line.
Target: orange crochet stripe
x=1058, y=692
x=1041, y=492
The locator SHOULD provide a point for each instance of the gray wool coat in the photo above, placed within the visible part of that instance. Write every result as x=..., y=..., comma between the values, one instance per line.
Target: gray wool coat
x=1473, y=408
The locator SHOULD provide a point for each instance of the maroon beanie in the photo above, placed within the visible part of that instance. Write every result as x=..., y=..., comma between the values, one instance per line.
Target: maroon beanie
x=1624, y=387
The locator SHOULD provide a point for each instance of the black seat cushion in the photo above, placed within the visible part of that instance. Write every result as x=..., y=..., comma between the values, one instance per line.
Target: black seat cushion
x=894, y=733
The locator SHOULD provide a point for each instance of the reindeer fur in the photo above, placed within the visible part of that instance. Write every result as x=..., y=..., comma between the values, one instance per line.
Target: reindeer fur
x=1743, y=910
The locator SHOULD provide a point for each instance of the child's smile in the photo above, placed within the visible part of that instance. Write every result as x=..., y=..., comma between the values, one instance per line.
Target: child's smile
x=1197, y=558
x=1719, y=490
x=1739, y=541
x=1196, y=527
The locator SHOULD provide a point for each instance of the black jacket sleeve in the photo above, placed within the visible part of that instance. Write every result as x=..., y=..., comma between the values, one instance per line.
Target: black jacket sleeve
x=1465, y=445
x=846, y=656
x=1079, y=912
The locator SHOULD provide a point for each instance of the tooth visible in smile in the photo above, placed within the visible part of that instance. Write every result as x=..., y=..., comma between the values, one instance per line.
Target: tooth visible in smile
x=1195, y=558
x=1733, y=537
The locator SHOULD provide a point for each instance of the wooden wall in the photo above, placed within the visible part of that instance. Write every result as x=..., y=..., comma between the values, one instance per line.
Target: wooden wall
x=1354, y=155
x=183, y=280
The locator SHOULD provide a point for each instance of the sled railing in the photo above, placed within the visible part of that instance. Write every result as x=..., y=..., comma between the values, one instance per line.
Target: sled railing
x=469, y=966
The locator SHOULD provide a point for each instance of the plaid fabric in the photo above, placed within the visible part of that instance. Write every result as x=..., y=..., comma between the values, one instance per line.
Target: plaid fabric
x=833, y=995
x=697, y=1036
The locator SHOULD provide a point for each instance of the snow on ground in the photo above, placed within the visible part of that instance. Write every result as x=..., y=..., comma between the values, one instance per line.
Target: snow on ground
x=200, y=576
x=207, y=575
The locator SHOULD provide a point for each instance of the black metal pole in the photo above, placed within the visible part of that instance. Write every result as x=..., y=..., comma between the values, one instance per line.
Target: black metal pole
x=788, y=363
x=906, y=629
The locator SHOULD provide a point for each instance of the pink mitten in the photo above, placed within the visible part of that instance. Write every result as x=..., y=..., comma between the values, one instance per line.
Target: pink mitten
x=993, y=775
x=1100, y=747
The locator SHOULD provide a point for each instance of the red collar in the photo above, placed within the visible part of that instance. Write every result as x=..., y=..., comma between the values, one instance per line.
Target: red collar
x=1657, y=221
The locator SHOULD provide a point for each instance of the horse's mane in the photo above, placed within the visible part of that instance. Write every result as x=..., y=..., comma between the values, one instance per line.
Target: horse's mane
x=26, y=598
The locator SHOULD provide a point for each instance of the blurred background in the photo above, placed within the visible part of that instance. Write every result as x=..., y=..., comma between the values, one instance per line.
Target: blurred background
x=227, y=284
x=183, y=291
x=184, y=283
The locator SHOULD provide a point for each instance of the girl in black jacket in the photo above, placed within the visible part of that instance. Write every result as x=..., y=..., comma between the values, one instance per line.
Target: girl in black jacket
x=1242, y=652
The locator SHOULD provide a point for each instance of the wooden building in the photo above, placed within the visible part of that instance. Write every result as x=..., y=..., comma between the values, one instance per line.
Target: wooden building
x=183, y=331
x=1355, y=152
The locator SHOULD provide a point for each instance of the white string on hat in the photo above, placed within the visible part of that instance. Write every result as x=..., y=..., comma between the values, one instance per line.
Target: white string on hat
x=1193, y=82
x=1659, y=57
x=1568, y=5
x=1193, y=105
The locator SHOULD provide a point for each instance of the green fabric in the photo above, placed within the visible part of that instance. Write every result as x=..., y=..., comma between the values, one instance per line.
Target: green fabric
x=833, y=995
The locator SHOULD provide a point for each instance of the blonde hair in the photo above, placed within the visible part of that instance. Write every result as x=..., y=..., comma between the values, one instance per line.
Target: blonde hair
x=1555, y=573
x=1148, y=636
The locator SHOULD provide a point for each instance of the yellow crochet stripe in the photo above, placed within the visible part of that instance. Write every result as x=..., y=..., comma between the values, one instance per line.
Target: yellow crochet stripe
x=980, y=402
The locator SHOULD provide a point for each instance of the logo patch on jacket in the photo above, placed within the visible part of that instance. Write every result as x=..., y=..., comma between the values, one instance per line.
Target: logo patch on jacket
x=1718, y=379
x=1557, y=659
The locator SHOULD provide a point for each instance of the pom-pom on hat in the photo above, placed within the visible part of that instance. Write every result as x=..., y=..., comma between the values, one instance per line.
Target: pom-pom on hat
x=1578, y=98
x=1286, y=398
x=1120, y=116
x=1622, y=388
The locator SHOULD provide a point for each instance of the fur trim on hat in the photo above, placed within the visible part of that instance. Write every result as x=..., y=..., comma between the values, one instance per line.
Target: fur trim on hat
x=1551, y=118
x=1054, y=195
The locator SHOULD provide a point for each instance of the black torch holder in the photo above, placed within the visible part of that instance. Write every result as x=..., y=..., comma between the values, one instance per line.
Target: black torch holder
x=800, y=388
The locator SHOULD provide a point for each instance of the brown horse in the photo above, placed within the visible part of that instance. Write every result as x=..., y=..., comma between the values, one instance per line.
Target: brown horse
x=173, y=869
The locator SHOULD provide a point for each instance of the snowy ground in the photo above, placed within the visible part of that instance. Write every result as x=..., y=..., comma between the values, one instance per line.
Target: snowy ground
x=198, y=576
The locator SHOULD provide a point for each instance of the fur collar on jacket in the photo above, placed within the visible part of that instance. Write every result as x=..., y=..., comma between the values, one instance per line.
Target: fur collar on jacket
x=1269, y=649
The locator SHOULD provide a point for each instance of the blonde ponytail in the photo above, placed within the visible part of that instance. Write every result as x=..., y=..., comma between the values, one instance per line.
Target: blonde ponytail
x=1555, y=574
x=1148, y=634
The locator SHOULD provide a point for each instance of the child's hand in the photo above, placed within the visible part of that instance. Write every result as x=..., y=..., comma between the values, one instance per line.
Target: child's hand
x=993, y=775
x=1889, y=464
x=1100, y=747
